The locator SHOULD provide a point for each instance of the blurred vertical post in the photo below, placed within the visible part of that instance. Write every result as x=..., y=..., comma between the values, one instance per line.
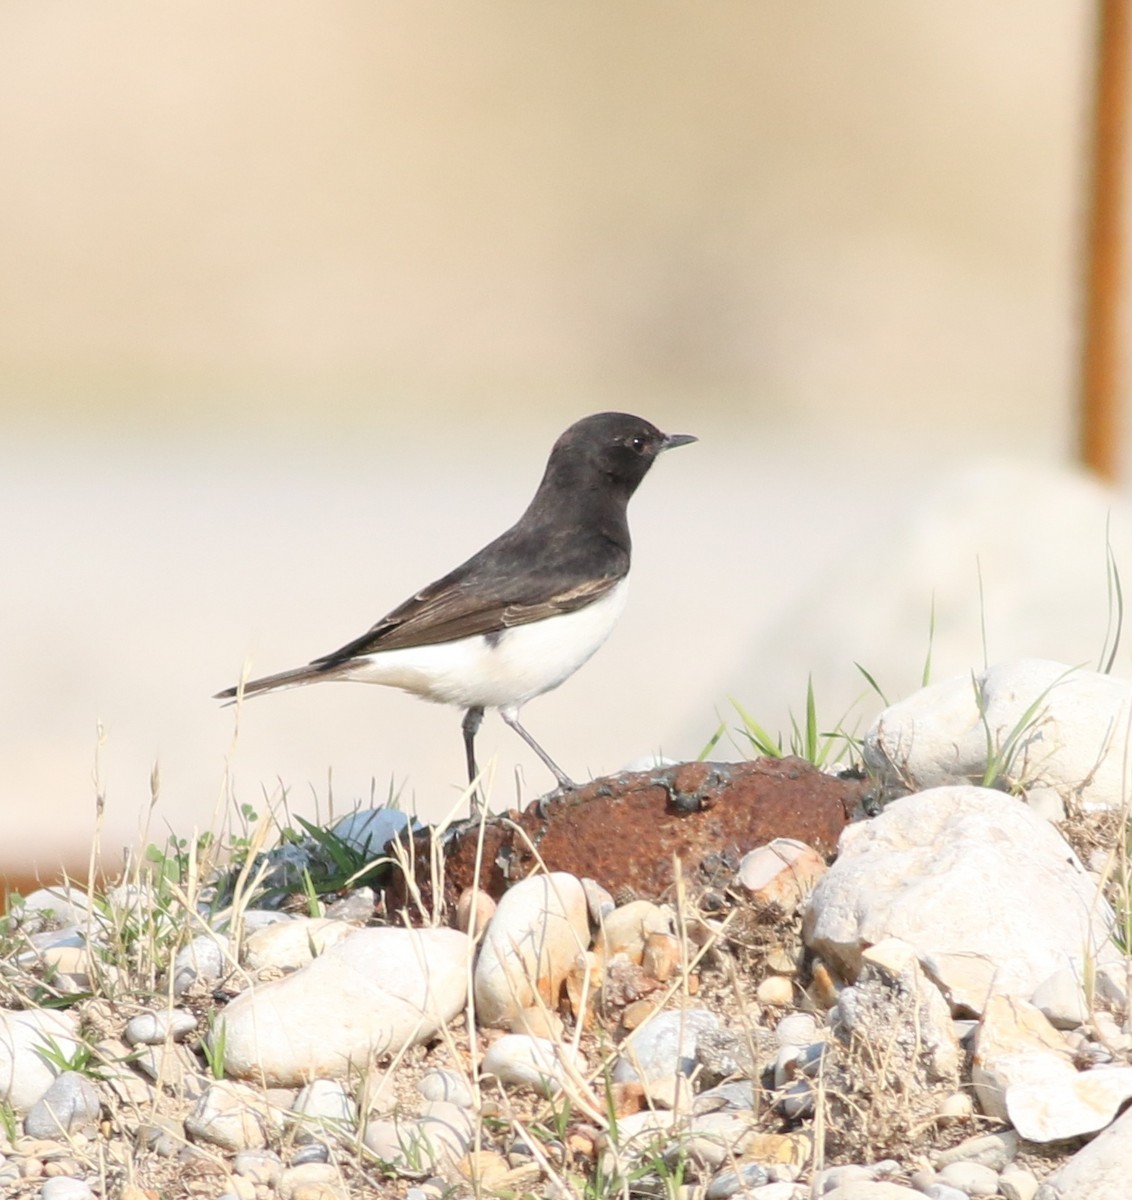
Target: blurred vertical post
x=1100, y=368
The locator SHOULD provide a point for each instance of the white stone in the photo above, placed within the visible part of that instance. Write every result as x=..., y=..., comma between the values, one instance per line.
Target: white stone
x=872, y=1189
x=436, y=1140
x=66, y=905
x=372, y=994
x=989, y=894
x=1061, y=999
x=447, y=1085
x=62, y=1187
x=293, y=944
x=1049, y=724
x=367, y=831
x=1016, y=1183
x=68, y=1105
x=234, y=1117
x=204, y=960
x=326, y=1100
x=152, y=1028
x=25, y=1075
x=1099, y=1171
x=517, y=1058
x=1022, y=1073
x=796, y=1029
x=970, y=1178
x=627, y=929
x=537, y=932
x=664, y=1045
x=782, y=873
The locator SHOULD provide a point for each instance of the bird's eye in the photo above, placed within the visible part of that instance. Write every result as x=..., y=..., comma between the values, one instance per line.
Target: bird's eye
x=638, y=443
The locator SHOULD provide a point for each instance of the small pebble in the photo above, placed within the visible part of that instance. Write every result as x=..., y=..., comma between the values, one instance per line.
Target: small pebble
x=973, y=1178
x=260, y=1166
x=1016, y=1183
x=312, y=1152
x=727, y=1183
x=64, y=1188
x=151, y=1028
x=777, y=991
x=943, y=1191
x=796, y=1029
x=445, y=1085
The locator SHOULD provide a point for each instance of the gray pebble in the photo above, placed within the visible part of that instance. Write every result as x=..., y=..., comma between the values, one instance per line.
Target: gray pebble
x=446, y=1085
x=727, y=1183
x=68, y=1104
x=312, y=1152
x=152, y=1028
x=942, y=1191
x=665, y=1045
x=203, y=960
x=993, y=1150
x=1016, y=1183
x=739, y=1094
x=259, y=1166
x=973, y=1178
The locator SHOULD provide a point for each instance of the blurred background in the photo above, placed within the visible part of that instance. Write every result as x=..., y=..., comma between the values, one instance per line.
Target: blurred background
x=294, y=301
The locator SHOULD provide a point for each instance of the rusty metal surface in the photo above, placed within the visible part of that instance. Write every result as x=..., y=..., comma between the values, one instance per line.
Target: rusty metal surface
x=623, y=830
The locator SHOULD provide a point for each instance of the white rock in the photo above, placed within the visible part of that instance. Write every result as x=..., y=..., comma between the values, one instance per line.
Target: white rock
x=204, y=960
x=260, y=918
x=993, y=1150
x=326, y=1100
x=436, y=1140
x=989, y=895
x=1022, y=1073
x=66, y=905
x=782, y=873
x=25, y=1075
x=1016, y=1183
x=970, y=1178
x=367, y=831
x=1099, y=1171
x=311, y=1179
x=872, y=1189
x=447, y=1085
x=775, y=991
x=152, y=1028
x=69, y=1104
x=62, y=1187
x=1051, y=725
x=374, y=993
x=796, y=1029
x=664, y=1045
x=539, y=929
x=626, y=929
x=293, y=944
x=1061, y=999
x=517, y=1058
x=599, y=899
x=233, y=1117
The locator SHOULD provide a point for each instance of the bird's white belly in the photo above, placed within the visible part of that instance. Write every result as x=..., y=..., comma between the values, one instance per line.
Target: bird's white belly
x=497, y=672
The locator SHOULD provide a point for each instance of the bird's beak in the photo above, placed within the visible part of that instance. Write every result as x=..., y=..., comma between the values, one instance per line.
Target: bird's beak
x=672, y=440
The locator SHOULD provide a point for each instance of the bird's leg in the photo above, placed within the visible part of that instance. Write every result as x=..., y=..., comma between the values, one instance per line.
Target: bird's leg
x=473, y=719
x=511, y=716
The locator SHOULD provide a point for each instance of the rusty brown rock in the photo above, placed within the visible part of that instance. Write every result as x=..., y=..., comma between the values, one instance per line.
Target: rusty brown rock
x=624, y=830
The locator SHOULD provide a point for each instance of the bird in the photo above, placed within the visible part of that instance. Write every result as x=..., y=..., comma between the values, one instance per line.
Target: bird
x=519, y=617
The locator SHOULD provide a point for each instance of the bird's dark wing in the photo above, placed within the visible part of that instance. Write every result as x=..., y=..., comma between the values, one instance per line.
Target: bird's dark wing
x=448, y=610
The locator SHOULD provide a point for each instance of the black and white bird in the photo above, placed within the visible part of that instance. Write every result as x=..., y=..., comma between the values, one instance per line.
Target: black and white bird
x=522, y=615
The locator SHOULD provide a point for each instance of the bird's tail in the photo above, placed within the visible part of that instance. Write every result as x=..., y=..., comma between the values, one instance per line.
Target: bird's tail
x=271, y=683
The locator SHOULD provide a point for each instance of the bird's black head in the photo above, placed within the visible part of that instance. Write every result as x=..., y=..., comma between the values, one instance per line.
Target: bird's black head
x=610, y=447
